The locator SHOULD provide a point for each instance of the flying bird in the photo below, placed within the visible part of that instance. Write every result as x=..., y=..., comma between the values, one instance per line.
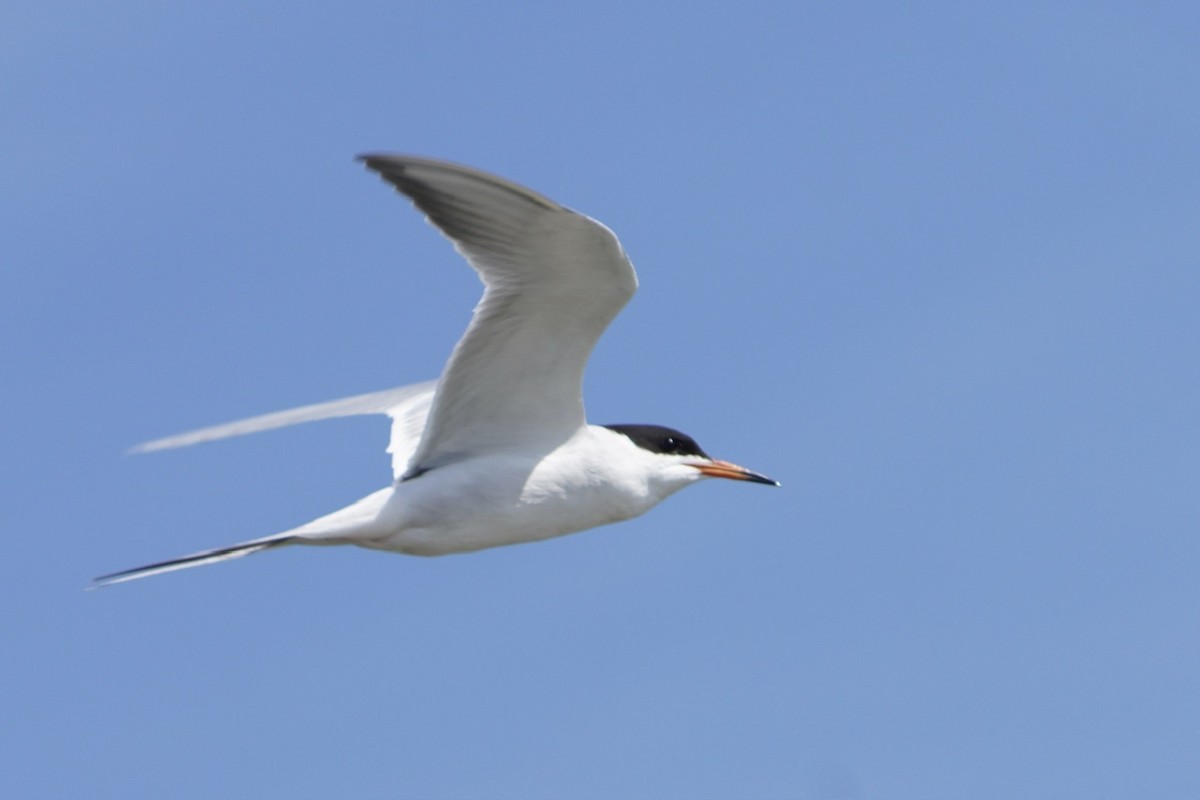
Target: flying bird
x=497, y=451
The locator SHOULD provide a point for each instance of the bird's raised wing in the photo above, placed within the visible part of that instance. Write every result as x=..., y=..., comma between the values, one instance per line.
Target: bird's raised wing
x=408, y=406
x=553, y=280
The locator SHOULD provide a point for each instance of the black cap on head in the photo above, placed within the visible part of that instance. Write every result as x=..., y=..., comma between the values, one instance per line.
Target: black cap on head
x=660, y=439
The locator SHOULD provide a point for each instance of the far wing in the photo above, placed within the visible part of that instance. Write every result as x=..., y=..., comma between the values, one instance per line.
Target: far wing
x=553, y=280
x=408, y=406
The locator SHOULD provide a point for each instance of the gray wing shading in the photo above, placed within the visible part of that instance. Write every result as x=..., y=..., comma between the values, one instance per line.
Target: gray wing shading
x=553, y=280
x=408, y=406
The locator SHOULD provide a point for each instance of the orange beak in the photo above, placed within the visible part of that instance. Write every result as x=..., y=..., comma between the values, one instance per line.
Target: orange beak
x=724, y=469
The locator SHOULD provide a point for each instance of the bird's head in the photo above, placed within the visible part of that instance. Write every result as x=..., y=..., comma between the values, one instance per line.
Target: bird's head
x=680, y=450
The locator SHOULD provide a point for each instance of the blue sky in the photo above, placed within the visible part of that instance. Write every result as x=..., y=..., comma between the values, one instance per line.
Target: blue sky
x=933, y=266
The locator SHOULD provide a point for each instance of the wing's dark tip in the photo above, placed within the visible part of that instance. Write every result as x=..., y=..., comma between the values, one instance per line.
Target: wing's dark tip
x=393, y=168
x=389, y=167
x=376, y=161
x=398, y=170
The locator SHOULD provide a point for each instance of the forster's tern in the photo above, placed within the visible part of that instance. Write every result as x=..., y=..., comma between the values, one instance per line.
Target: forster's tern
x=497, y=451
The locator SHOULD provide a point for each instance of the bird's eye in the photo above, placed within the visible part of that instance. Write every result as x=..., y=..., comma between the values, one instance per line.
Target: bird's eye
x=670, y=444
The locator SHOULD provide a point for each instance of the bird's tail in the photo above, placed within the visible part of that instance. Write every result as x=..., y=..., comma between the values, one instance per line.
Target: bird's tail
x=197, y=559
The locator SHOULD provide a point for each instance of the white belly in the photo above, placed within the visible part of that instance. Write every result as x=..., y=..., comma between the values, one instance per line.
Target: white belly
x=489, y=502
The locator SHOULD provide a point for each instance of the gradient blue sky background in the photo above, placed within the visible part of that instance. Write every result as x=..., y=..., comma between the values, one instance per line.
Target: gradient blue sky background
x=936, y=267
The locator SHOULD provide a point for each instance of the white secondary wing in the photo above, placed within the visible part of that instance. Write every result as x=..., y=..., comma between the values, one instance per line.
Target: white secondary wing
x=553, y=280
x=408, y=406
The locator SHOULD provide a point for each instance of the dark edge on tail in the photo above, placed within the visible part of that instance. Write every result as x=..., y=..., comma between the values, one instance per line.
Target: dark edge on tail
x=237, y=549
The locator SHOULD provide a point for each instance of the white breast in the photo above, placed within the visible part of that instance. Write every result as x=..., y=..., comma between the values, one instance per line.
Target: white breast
x=595, y=478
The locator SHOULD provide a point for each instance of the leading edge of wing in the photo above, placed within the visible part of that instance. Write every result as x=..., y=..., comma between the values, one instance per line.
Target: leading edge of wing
x=396, y=403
